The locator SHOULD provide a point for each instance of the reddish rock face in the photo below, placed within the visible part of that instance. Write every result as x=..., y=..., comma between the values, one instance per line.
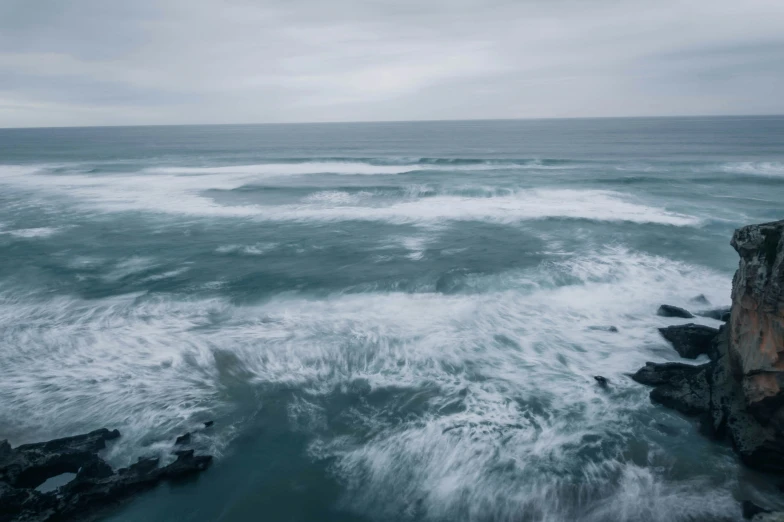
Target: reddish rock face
x=756, y=335
x=741, y=391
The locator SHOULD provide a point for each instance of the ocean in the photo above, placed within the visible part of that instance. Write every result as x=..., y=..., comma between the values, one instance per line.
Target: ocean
x=386, y=321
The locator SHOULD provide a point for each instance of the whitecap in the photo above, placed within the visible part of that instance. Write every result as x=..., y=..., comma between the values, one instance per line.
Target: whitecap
x=251, y=250
x=30, y=233
x=755, y=168
x=188, y=195
x=521, y=206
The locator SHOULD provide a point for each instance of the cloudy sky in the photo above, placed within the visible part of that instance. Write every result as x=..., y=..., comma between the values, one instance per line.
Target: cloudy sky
x=107, y=62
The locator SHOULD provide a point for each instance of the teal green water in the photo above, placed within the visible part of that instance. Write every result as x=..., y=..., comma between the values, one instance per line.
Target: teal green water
x=392, y=321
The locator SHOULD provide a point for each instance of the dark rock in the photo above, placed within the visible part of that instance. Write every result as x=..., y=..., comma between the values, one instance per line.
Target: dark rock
x=691, y=340
x=183, y=439
x=682, y=387
x=603, y=381
x=700, y=299
x=612, y=329
x=29, y=465
x=673, y=311
x=95, y=487
x=743, y=387
x=96, y=469
x=25, y=504
x=209, y=424
x=750, y=509
x=720, y=314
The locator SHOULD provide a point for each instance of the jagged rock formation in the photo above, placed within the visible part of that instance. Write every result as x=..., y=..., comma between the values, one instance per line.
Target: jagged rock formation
x=739, y=393
x=757, y=319
x=95, y=487
x=691, y=340
x=682, y=387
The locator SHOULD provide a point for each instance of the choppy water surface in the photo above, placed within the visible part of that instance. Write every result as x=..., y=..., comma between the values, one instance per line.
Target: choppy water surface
x=386, y=321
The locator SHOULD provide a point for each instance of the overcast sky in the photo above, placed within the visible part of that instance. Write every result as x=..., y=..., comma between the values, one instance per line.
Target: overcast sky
x=107, y=62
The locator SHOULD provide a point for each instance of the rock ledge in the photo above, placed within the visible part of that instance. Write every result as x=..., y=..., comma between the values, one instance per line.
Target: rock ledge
x=96, y=486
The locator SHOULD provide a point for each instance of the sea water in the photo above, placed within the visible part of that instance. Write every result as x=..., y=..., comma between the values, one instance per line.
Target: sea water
x=386, y=321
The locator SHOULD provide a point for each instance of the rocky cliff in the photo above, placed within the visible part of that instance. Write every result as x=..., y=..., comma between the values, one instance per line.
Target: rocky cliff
x=740, y=393
x=756, y=333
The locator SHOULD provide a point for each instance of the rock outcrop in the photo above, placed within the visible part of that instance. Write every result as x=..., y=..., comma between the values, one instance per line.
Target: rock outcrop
x=95, y=487
x=756, y=334
x=666, y=310
x=682, y=387
x=740, y=392
x=720, y=314
x=691, y=340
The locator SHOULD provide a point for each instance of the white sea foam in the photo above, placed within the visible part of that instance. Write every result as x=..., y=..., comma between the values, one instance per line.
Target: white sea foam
x=130, y=266
x=251, y=250
x=335, y=197
x=349, y=168
x=185, y=195
x=512, y=367
x=28, y=233
x=189, y=195
x=755, y=168
x=521, y=206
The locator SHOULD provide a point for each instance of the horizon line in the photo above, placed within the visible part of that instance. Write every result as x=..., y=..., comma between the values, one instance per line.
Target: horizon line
x=365, y=122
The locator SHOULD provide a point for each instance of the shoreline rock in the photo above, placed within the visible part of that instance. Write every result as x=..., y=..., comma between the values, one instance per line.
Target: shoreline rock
x=741, y=391
x=95, y=487
x=691, y=340
x=682, y=387
x=666, y=310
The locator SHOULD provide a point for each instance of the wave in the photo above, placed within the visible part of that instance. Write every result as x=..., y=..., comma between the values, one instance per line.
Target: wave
x=511, y=421
x=356, y=168
x=755, y=168
x=188, y=195
x=29, y=233
x=249, y=250
x=521, y=206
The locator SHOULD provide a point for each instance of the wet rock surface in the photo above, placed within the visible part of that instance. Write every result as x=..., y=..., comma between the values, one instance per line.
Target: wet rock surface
x=691, y=340
x=682, y=387
x=96, y=486
x=666, y=310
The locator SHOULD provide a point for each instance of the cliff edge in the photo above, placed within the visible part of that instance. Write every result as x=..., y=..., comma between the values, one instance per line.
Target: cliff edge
x=740, y=393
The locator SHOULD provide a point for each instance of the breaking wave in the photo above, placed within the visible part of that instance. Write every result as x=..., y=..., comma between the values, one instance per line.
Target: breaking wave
x=190, y=195
x=755, y=168
x=497, y=413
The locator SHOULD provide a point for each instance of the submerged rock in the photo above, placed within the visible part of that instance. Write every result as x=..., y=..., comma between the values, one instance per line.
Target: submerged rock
x=691, y=340
x=95, y=487
x=750, y=509
x=604, y=382
x=673, y=311
x=720, y=314
x=183, y=439
x=700, y=299
x=612, y=329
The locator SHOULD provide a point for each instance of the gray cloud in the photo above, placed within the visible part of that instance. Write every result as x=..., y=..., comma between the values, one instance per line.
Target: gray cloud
x=98, y=62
